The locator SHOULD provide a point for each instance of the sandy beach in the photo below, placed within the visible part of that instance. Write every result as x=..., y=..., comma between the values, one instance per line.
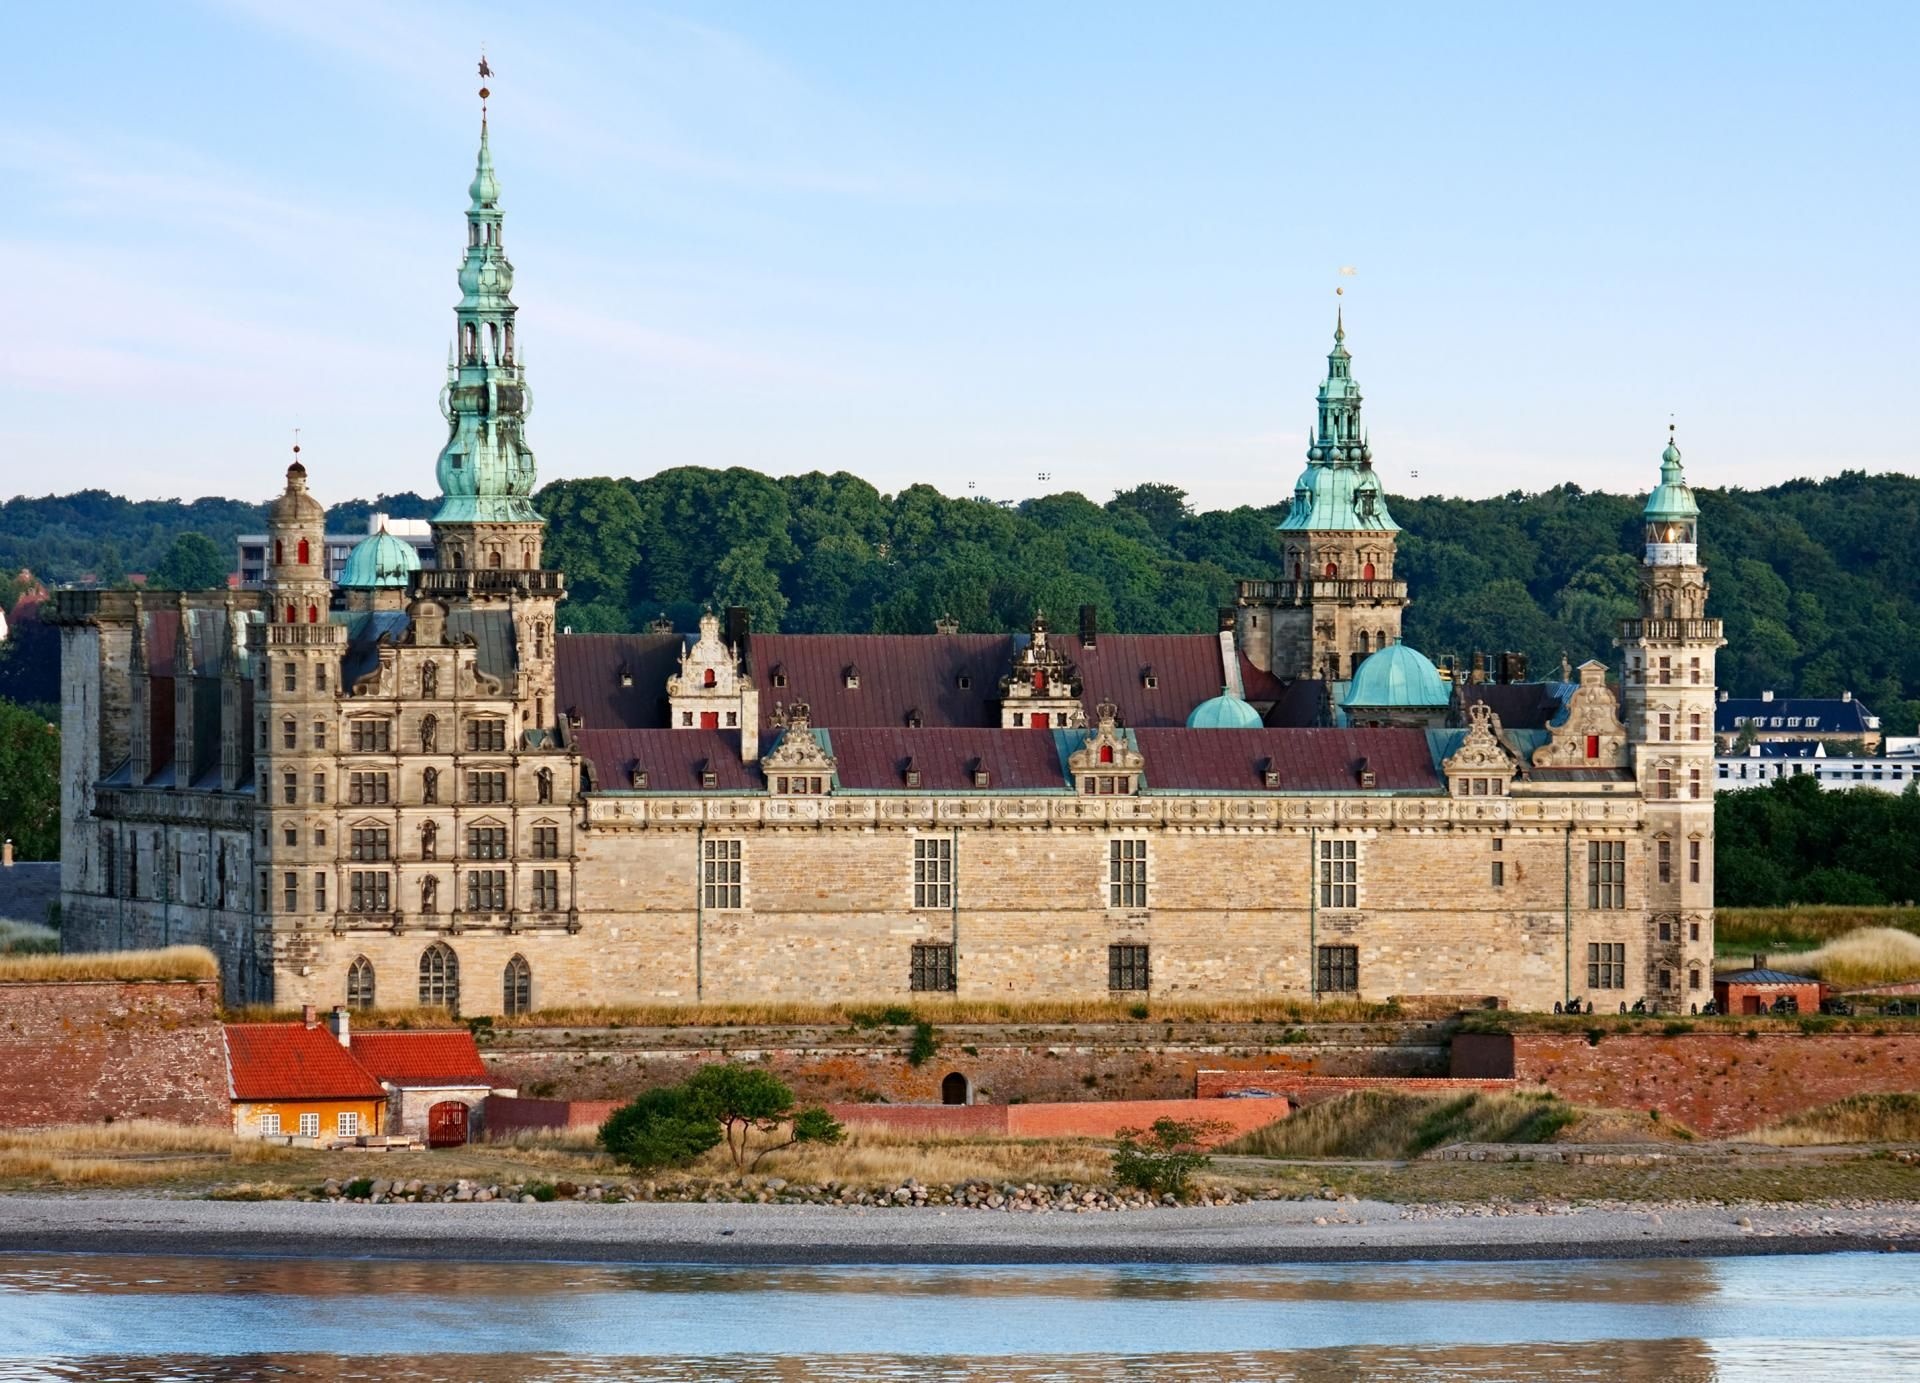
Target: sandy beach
x=1260, y=1232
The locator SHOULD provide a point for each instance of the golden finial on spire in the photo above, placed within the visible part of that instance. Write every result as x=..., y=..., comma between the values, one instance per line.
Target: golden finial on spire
x=486, y=73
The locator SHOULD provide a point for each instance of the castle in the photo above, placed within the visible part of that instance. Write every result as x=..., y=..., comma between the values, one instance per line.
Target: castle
x=412, y=787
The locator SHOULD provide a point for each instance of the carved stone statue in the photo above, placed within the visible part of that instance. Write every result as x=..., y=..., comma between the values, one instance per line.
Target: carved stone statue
x=429, y=729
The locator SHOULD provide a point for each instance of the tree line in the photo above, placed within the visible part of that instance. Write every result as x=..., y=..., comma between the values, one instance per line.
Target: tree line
x=1814, y=579
x=1794, y=842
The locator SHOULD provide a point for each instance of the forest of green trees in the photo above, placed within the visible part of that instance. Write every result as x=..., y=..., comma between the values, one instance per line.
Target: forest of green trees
x=1796, y=842
x=1816, y=581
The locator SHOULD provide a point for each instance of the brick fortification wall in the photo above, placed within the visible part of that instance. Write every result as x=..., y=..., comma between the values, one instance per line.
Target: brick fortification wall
x=1717, y=1083
x=82, y=1053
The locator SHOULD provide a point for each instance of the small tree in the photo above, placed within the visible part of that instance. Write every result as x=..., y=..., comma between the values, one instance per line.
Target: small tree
x=194, y=563
x=745, y=1100
x=660, y=1128
x=1163, y=1158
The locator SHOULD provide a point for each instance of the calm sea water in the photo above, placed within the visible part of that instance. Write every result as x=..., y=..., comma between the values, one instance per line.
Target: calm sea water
x=104, y=1318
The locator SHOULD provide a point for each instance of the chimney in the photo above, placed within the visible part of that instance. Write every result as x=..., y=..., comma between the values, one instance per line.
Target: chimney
x=308, y=1016
x=6, y=853
x=1479, y=673
x=1723, y=693
x=1759, y=962
x=337, y=1024
x=1766, y=696
x=1089, y=625
x=1846, y=696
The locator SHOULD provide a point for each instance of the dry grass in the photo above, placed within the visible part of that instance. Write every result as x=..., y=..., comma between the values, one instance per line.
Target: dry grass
x=129, y=1137
x=134, y=1152
x=1755, y=929
x=1387, y=1124
x=1872, y=955
x=171, y=963
x=26, y=938
x=1856, y=1119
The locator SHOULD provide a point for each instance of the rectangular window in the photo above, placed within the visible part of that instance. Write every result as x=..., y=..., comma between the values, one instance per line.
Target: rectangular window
x=290, y=677
x=1666, y=978
x=1338, y=969
x=1666, y=725
x=1693, y=979
x=319, y=734
x=369, y=843
x=1339, y=873
x=320, y=677
x=1666, y=931
x=486, y=890
x=367, y=789
x=1499, y=874
x=932, y=969
x=369, y=891
x=291, y=834
x=1693, y=726
x=372, y=736
x=309, y=1125
x=1663, y=857
x=1127, y=875
x=269, y=1125
x=932, y=873
x=1693, y=931
x=1693, y=668
x=1127, y=968
x=290, y=787
x=319, y=892
x=546, y=890
x=347, y=1123
x=1666, y=672
x=289, y=734
x=1693, y=782
x=1606, y=873
x=720, y=873
x=487, y=842
x=1693, y=870
x=319, y=787
x=1606, y=965
x=546, y=842
x=486, y=787
x=484, y=735
x=290, y=888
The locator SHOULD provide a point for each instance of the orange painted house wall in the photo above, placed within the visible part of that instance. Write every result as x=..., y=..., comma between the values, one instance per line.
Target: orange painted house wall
x=246, y=1115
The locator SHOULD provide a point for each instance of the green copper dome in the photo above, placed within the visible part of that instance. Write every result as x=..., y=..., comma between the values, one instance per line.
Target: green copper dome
x=380, y=560
x=1224, y=712
x=1671, y=499
x=1338, y=491
x=1397, y=676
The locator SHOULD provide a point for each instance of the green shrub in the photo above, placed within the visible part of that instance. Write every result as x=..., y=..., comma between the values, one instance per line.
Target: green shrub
x=660, y=1128
x=541, y=1190
x=358, y=1189
x=1162, y=1160
x=1594, y=1036
x=1677, y=1029
x=1139, y=1011
x=923, y=1046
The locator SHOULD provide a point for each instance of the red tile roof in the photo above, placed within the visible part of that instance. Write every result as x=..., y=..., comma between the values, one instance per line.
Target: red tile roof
x=291, y=1061
x=672, y=759
x=876, y=758
x=422, y=1058
x=1319, y=760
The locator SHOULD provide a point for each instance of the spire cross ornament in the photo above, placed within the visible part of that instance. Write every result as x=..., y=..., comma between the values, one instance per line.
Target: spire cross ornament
x=486, y=73
x=296, y=444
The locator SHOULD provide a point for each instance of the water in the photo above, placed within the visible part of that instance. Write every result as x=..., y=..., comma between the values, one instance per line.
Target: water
x=181, y=1320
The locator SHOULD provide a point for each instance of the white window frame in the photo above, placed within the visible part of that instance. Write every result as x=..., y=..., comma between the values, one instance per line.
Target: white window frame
x=933, y=872
x=1337, y=871
x=269, y=1124
x=347, y=1123
x=310, y=1125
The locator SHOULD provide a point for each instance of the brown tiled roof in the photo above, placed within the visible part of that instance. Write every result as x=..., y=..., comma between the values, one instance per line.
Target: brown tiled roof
x=291, y=1061
x=1317, y=760
x=1186, y=668
x=1021, y=760
x=899, y=673
x=587, y=678
x=673, y=759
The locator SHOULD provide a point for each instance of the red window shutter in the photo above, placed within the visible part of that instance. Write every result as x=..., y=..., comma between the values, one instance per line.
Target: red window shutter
x=1366, y=572
x=1106, y=753
x=1039, y=720
x=709, y=720
x=709, y=677
x=304, y=555
x=1593, y=746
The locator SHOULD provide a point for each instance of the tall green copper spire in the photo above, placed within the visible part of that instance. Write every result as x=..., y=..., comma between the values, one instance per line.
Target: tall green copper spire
x=1338, y=490
x=486, y=469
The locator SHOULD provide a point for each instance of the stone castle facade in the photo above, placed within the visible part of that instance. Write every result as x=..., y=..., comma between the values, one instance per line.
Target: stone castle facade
x=413, y=787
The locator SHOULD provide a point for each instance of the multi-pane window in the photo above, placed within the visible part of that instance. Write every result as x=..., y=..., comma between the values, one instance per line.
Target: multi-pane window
x=319, y=734
x=486, y=734
x=290, y=677
x=1693, y=861
x=1693, y=979
x=369, y=891
x=1606, y=873
x=309, y=1125
x=1337, y=969
x=269, y=1125
x=1606, y=965
x=360, y=983
x=289, y=734
x=516, y=987
x=368, y=789
x=439, y=977
x=720, y=873
x=546, y=890
x=1693, y=726
x=486, y=890
x=1693, y=782
x=290, y=787
x=1339, y=873
x=1127, y=875
x=369, y=843
x=1499, y=878
x=371, y=736
x=1663, y=860
x=932, y=873
x=932, y=968
x=347, y=1122
x=1663, y=784
x=486, y=786
x=546, y=842
x=487, y=842
x=1127, y=967
x=290, y=886
x=319, y=787
x=1666, y=725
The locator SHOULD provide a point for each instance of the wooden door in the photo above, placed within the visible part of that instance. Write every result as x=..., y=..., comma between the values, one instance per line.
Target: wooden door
x=447, y=1125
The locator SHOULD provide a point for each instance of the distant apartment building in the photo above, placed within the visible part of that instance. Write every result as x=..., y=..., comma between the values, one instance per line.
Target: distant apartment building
x=1831, y=720
x=252, y=553
x=1762, y=763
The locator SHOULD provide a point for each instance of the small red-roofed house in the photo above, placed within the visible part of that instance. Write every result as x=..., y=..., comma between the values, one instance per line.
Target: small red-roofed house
x=436, y=1084
x=296, y=1080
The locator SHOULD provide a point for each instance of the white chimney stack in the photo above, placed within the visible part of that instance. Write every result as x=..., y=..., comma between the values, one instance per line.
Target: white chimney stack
x=1766, y=696
x=337, y=1022
x=1846, y=696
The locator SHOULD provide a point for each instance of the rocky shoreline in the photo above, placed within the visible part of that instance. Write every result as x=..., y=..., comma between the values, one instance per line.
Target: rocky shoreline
x=1278, y=1231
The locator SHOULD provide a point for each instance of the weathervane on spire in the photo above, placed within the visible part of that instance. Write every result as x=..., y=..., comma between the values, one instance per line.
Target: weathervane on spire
x=486, y=73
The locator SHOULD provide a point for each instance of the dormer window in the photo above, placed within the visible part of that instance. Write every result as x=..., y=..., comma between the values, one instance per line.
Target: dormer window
x=851, y=674
x=1364, y=772
x=1148, y=678
x=963, y=682
x=912, y=774
x=779, y=674
x=913, y=718
x=626, y=676
x=708, y=778
x=981, y=777
x=640, y=780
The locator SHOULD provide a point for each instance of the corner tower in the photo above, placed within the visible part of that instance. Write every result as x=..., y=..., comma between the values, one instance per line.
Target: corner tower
x=1668, y=697
x=1336, y=600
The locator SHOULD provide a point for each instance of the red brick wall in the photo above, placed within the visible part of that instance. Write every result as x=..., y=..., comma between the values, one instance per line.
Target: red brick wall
x=507, y=1115
x=1079, y=1119
x=1312, y=1089
x=1716, y=1083
x=81, y=1053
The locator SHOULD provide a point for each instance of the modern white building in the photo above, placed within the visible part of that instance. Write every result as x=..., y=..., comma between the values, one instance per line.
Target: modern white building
x=1763, y=763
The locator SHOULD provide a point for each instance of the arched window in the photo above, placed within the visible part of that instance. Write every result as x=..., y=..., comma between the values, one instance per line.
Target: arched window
x=493, y=342
x=306, y=553
x=292, y=616
x=493, y=559
x=429, y=839
x=1331, y=570
x=459, y=560
x=1106, y=753
x=429, y=734
x=440, y=978
x=516, y=989
x=1363, y=643
x=1366, y=572
x=430, y=679
x=707, y=681
x=313, y=614
x=360, y=983
x=430, y=785
x=279, y=553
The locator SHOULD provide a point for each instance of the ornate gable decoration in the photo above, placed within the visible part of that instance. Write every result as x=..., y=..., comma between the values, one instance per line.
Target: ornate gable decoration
x=705, y=693
x=1043, y=689
x=1591, y=735
x=1106, y=764
x=798, y=766
x=1481, y=766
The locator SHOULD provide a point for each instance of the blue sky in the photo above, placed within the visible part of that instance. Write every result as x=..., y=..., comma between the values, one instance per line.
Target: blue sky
x=966, y=244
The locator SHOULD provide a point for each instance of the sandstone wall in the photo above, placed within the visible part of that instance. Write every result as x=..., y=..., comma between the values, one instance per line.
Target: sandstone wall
x=80, y=1053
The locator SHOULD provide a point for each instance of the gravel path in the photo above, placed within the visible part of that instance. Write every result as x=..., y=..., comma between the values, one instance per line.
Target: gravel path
x=1260, y=1232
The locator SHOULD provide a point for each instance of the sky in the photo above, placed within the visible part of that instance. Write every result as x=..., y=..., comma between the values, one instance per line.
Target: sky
x=1005, y=249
